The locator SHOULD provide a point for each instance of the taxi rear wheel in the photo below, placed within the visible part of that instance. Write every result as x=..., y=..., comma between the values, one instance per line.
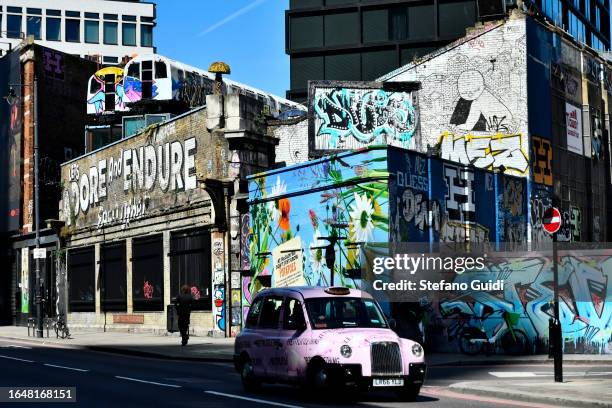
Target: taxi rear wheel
x=247, y=376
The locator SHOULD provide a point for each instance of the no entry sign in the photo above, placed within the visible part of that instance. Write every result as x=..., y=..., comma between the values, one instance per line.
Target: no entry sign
x=551, y=220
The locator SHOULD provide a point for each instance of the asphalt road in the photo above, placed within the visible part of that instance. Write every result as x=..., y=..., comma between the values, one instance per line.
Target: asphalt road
x=111, y=380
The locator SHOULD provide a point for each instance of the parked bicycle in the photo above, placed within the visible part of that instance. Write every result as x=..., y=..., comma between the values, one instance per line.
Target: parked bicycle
x=61, y=328
x=472, y=339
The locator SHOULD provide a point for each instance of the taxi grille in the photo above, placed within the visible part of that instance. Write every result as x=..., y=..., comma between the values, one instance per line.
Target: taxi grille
x=386, y=358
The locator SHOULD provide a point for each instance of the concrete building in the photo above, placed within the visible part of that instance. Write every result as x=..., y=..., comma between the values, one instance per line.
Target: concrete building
x=103, y=30
x=147, y=214
x=58, y=102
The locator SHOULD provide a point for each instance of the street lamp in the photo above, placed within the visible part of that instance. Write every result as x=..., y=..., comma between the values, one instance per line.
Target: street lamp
x=12, y=98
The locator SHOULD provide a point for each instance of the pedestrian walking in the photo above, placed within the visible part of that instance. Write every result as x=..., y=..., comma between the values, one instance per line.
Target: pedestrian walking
x=183, y=310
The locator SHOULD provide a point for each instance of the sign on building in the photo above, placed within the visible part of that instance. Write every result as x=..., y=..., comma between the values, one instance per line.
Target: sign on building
x=288, y=264
x=352, y=115
x=573, y=118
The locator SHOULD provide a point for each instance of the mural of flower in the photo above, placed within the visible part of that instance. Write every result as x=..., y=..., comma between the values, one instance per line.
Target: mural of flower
x=313, y=218
x=284, y=206
x=361, y=218
x=273, y=206
x=316, y=254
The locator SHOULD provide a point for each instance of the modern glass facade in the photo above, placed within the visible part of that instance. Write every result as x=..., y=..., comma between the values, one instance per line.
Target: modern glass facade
x=362, y=40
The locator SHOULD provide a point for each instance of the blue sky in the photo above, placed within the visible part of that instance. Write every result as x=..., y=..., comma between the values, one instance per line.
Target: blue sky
x=247, y=34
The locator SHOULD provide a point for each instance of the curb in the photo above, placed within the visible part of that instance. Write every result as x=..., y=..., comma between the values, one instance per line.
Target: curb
x=484, y=391
x=121, y=351
x=467, y=363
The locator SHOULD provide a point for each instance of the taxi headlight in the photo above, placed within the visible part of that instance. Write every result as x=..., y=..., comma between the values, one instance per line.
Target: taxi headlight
x=417, y=350
x=346, y=351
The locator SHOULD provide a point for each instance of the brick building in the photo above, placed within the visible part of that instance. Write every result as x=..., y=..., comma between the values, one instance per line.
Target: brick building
x=61, y=115
x=147, y=214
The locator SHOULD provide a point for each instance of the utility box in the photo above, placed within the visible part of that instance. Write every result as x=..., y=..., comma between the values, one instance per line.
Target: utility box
x=171, y=319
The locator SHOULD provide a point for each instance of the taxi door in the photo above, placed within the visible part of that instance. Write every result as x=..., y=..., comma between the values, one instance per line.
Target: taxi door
x=292, y=345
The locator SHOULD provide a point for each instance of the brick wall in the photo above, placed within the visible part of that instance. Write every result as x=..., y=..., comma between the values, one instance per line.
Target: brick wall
x=293, y=140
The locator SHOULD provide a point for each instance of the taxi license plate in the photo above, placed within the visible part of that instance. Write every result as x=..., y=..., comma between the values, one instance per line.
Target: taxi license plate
x=388, y=382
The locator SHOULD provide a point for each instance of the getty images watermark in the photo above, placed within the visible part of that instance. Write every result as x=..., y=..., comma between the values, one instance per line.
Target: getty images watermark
x=409, y=265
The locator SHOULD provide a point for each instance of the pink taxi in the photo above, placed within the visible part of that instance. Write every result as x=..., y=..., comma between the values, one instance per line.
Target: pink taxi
x=325, y=337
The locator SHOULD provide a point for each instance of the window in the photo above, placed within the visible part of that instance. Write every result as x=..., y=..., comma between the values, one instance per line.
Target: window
x=270, y=312
x=343, y=67
x=73, y=30
x=33, y=26
x=110, y=33
x=129, y=34
x=341, y=29
x=421, y=22
x=57, y=13
x=94, y=16
x=375, y=25
x=92, y=31
x=81, y=280
x=35, y=11
x=161, y=71
x=134, y=70
x=597, y=18
x=54, y=29
x=455, y=17
x=113, y=268
x=146, y=35
x=16, y=10
x=73, y=14
x=128, y=18
x=306, y=32
x=190, y=265
x=148, y=273
x=110, y=60
x=293, y=315
x=330, y=313
x=377, y=63
x=13, y=26
x=398, y=23
x=114, y=17
x=254, y=312
x=304, y=69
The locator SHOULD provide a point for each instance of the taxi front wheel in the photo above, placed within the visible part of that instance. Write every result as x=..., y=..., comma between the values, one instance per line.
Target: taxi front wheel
x=249, y=380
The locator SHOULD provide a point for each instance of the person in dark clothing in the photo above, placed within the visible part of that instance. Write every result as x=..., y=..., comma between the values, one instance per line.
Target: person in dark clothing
x=183, y=310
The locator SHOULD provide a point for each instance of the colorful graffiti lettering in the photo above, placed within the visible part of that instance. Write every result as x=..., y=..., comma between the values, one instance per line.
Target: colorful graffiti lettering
x=542, y=161
x=485, y=152
x=586, y=309
x=357, y=117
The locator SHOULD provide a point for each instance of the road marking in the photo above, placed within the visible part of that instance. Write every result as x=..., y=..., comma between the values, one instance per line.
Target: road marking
x=148, y=382
x=260, y=401
x=67, y=368
x=512, y=374
x=16, y=346
x=525, y=374
x=18, y=359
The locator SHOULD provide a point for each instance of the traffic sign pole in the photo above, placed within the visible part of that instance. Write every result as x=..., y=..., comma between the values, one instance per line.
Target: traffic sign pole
x=552, y=224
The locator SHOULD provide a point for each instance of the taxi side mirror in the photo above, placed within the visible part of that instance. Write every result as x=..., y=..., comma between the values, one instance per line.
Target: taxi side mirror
x=392, y=324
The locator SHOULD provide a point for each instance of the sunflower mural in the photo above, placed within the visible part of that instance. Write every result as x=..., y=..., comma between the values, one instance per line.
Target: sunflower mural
x=341, y=199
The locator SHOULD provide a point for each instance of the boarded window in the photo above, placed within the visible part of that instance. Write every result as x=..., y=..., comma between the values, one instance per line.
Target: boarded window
x=81, y=280
x=113, y=280
x=148, y=273
x=190, y=265
x=304, y=69
x=378, y=63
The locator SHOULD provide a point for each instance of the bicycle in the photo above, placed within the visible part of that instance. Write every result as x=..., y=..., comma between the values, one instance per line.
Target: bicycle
x=61, y=328
x=472, y=340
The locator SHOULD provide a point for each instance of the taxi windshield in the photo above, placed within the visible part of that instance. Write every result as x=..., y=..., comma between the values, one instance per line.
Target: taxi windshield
x=335, y=312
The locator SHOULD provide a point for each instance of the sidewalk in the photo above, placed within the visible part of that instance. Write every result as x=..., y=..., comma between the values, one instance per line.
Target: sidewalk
x=222, y=349
x=572, y=393
x=138, y=344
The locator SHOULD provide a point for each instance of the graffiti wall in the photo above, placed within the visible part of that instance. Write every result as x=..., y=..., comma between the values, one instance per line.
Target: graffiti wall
x=473, y=99
x=438, y=201
x=350, y=116
x=585, y=301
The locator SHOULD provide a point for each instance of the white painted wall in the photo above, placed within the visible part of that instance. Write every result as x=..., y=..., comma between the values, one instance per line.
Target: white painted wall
x=473, y=100
x=293, y=143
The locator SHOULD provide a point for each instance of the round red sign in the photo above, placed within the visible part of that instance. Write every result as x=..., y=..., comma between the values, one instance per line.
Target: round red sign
x=551, y=220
